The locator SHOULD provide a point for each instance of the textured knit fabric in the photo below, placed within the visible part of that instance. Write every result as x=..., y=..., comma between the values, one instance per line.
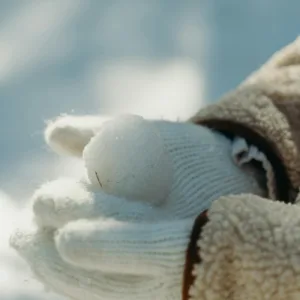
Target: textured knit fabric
x=201, y=164
x=130, y=247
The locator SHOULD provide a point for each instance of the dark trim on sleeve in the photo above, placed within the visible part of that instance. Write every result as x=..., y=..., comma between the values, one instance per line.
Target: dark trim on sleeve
x=284, y=189
x=193, y=254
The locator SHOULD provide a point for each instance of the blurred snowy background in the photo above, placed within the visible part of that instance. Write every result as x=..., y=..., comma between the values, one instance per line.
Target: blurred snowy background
x=155, y=58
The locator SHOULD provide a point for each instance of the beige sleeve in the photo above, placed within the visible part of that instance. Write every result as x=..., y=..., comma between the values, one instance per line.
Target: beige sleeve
x=281, y=70
x=248, y=249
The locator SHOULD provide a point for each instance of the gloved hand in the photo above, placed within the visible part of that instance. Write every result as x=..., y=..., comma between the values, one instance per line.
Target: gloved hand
x=123, y=230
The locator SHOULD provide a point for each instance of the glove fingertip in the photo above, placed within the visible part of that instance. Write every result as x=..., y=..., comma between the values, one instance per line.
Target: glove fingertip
x=66, y=241
x=65, y=139
x=22, y=241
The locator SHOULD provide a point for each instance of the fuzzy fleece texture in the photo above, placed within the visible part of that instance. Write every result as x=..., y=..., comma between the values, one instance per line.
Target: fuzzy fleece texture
x=248, y=247
x=249, y=250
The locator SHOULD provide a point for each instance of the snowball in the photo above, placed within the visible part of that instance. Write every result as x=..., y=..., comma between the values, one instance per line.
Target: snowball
x=127, y=158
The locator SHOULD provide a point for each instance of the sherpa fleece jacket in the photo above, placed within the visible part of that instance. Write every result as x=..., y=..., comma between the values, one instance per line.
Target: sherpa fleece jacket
x=248, y=247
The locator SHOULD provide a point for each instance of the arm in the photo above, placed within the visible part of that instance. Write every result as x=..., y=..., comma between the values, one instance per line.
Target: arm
x=249, y=249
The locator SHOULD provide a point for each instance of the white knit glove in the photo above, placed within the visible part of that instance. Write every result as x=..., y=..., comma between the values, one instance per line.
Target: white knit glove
x=122, y=232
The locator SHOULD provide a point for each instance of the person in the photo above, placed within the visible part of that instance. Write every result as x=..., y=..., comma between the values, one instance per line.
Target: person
x=204, y=209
